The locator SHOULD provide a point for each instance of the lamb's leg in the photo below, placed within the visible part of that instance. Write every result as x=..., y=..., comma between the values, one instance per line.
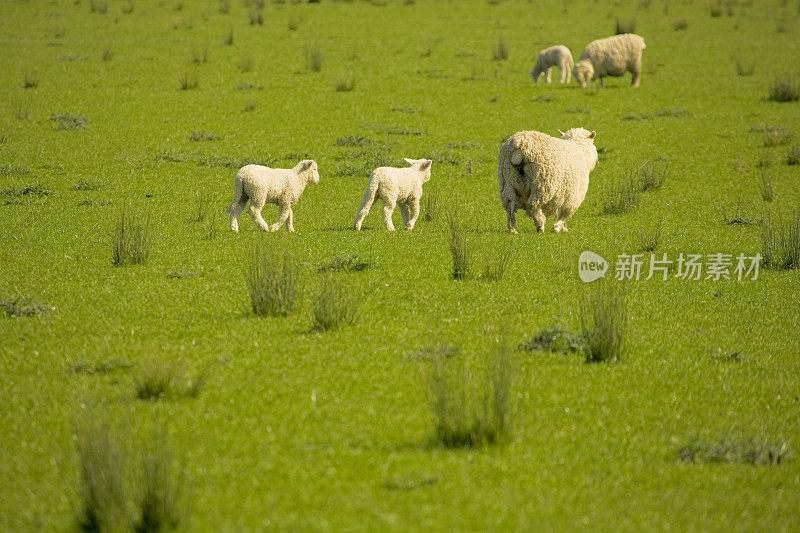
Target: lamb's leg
x=547, y=75
x=388, y=209
x=635, y=73
x=511, y=216
x=539, y=219
x=404, y=213
x=561, y=223
x=602, y=83
x=366, y=205
x=414, y=214
x=284, y=211
x=290, y=221
x=234, y=211
x=255, y=214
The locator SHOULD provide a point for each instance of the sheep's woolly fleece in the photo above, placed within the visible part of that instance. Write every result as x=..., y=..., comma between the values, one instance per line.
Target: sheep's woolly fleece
x=261, y=185
x=396, y=186
x=555, y=56
x=612, y=56
x=544, y=175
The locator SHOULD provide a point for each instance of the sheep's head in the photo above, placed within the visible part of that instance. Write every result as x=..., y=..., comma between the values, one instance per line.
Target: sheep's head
x=578, y=135
x=421, y=165
x=309, y=168
x=583, y=72
x=536, y=72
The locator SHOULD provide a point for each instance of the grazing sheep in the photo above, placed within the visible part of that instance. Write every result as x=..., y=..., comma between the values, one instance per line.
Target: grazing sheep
x=260, y=185
x=555, y=56
x=546, y=176
x=612, y=56
x=401, y=186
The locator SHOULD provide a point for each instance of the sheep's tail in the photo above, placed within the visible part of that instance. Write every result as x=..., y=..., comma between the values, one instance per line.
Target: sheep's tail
x=238, y=196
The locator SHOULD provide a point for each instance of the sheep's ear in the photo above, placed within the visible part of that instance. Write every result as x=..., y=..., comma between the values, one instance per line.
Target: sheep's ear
x=592, y=135
x=561, y=132
x=425, y=165
x=409, y=161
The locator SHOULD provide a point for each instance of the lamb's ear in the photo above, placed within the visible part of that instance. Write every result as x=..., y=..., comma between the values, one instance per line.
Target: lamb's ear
x=409, y=161
x=425, y=165
x=561, y=132
x=592, y=135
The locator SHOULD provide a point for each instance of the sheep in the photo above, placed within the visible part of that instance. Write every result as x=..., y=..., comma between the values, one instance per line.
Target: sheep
x=400, y=186
x=555, y=56
x=612, y=56
x=260, y=184
x=544, y=175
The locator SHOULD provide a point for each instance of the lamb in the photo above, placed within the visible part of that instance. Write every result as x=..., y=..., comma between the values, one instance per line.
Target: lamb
x=260, y=184
x=544, y=175
x=396, y=186
x=555, y=56
x=612, y=56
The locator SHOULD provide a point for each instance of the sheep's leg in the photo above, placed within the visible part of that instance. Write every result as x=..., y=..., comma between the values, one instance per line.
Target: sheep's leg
x=234, y=211
x=414, y=214
x=547, y=75
x=539, y=219
x=290, y=221
x=511, y=215
x=388, y=209
x=284, y=212
x=404, y=213
x=255, y=214
x=635, y=73
x=366, y=205
x=602, y=83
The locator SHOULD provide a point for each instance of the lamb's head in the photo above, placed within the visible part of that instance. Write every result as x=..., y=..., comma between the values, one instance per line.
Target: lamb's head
x=537, y=70
x=309, y=169
x=579, y=135
x=583, y=72
x=423, y=166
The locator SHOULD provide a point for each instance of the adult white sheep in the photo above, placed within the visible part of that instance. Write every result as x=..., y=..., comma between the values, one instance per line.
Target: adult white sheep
x=280, y=186
x=555, y=56
x=612, y=56
x=396, y=186
x=544, y=175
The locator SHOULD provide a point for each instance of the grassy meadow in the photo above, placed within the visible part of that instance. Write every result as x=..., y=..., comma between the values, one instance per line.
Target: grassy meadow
x=122, y=125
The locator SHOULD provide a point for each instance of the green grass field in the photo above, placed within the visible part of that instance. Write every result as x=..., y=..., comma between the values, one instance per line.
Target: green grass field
x=294, y=428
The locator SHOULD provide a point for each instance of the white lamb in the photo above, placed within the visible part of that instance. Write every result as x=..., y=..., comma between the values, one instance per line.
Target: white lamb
x=544, y=175
x=612, y=56
x=280, y=186
x=396, y=186
x=555, y=56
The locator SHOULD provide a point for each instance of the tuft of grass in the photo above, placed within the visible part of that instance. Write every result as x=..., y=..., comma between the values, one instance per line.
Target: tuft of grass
x=728, y=450
x=458, y=248
x=621, y=196
x=625, y=26
x=649, y=237
x=430, y=205
x=314, y=58
x=652, y=174
x=333, y=307
x=199, y=56
x=469, y=412
x=160, y=491
x=103, y=495
x=780, y=242
x=157, y=381
x=27, y=194
x=496, y=268
x=127, y=7
x=103, y=367
x=197, y=136
x=67, y=121
x=273, y=282
x=556, y=339
x=765, y=185
x=353, y=141
x=501, y=51
x=245, y=64
x=224, y=6
x=256, y=16
x=745, y=68
x=715, y=8
x=680, y=24
x=98, y=6
x=108, y=53
x=29, y=80
x=785, y=89
x=345, y=83
x=228, y=38
x=250, y=105
x=777, y=137
x=131, y=240
x=186, y=82
x=202, y=208
x=341, y=263
x=21, y=306
x=293, y=22
x=737, y=215
x=674, y=113
x=605, y=319
x=793, y=155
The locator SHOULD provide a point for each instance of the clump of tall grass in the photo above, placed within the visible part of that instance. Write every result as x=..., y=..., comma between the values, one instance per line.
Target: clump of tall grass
x=680, y=24
x=625, y=26
x=224, y=6
x=345, y=83
x=501, y=51
x=160, y=491
x=469, y=412
x=293, y=22
x=108, y=53
x=621, y=196
x=333, y=307
x=729, y=450
x=649, y=237
x=273, y=282
x=186, y=82
x=556, y=338
x=29, y=80
x=785, y=89
x=199, y=135
x=228, y=38
x=158, y=381
x=342, y=263
x=245, y=64
x=793, y=155
x=256, y=16
x=780, y=242
x=737, y=215
x=715, y=8
x=458, y=247
x=652, y=175
x=777, y=137
x=744, y=67
x=430, y=205
x=314, y=58
x=98, y=6
x=68, y=121
x=199, y=57
x=130, y=244
x=765, y=185
x=21, y=306
x=496, y=267
x=605, y=318
x=202, y=208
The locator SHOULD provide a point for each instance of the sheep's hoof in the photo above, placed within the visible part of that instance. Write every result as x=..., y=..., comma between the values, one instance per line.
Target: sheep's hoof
x=513, y=231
